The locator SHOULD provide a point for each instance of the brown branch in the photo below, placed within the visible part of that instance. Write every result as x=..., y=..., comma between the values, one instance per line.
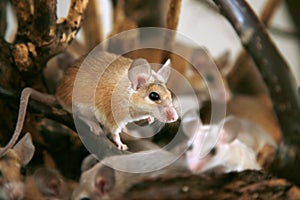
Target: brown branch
x=121, y=23
x=171, y=23
x=278, y=78
x=3, y=11
x=43, y=22
x=269, y=10
x=293, y=7
x=146, y=13
x=240, y=79
x=92, y=26
x=173, y=14
x=24, y=12
x=66, y=28
x=242, y=186
x=40, y=34
x=9, y=76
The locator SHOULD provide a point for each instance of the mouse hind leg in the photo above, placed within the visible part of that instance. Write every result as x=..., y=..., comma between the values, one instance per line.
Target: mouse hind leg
x=93, y=125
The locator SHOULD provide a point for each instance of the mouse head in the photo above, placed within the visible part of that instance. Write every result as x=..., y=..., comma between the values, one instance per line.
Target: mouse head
x=50, y=184
x=150, y=94
x=213, y=72
x=97, y=181
x=12, y=171
x=210, y=147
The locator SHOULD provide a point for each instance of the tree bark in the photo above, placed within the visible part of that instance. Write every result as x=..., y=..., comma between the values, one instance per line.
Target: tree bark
x=243, y=186
x=278, y=78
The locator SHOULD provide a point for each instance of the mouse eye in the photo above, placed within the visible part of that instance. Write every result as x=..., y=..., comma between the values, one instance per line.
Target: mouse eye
x=190, y=147
x=85, y=198
x=154, y=96
x=23, y=171
x=209, y=78
x=213, y=151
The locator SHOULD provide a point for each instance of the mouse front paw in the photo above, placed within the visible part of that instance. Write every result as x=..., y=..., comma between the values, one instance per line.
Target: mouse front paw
x=150, y=120
x=122, y=147
x=119, y=143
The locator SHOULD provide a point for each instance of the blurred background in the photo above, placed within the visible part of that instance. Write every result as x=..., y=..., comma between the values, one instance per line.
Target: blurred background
x=200, y=22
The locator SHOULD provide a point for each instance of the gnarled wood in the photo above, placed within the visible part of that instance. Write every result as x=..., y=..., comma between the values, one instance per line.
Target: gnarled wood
x=243, y=186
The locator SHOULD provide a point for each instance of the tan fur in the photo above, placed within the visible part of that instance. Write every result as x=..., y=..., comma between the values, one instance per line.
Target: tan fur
x=11, y=163
x=58, y=187
x=10, y=167
x=104, y=91
x=32, y=192
x=183, y=67
x=11, y=180
x=257, y=109
x=121, y=180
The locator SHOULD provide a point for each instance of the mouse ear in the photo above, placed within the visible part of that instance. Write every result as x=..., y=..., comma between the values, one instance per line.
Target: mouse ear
x=139, y=73
x=222, y=62
x=191, y=123
x=25, y=149
x=206, y=66
x=230, y=130
x=88, y=162
x=49, y=181
x=165, y=71
x=104, y=180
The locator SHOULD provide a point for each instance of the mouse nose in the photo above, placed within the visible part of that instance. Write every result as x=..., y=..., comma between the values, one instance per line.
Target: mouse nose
x=15, y=190
x=172, y=115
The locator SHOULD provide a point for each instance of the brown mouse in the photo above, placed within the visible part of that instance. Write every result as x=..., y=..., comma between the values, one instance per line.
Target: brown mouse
x=99, y=181
x=46, y=183
x=12, y=171
x=128, y=90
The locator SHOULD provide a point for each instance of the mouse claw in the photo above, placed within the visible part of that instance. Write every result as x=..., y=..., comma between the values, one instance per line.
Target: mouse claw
x=122, y=147
x=150, y=120
x=117, y=139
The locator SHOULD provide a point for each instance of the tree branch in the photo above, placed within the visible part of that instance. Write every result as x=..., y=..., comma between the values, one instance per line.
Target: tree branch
x=92, y=27
x=278, y=78
x=40, y=34
x=171, y=23
x=24, y=12
x=66, y=28
x=240, y=79
x=244, y=185
x=3, y=10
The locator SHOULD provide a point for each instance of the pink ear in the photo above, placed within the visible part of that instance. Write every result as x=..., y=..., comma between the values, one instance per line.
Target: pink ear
x=230, y=129
x=104, y=180
x=25, y=149
x=139, y=73
x=165, y=71
x=48, y=181
x=88, y=162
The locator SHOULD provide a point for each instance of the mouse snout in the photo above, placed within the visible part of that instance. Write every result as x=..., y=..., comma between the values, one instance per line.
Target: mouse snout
x=195, y=165
x=15, y=190
x=171, y=114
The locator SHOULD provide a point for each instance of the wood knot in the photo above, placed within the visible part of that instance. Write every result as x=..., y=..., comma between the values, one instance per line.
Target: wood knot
x=21, y=57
